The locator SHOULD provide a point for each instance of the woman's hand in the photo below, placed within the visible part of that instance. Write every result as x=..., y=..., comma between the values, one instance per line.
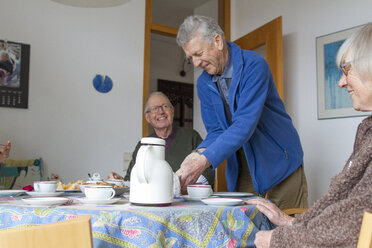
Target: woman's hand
x=4, y=151
x=263, y=239
x=114, y=175
x=271, y=211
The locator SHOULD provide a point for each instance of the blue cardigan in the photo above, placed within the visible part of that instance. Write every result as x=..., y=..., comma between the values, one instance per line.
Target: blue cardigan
x=260, y=124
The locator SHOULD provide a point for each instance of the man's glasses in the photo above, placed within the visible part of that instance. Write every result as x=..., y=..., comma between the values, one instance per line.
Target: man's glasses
x=345, y=67
x=156, y=109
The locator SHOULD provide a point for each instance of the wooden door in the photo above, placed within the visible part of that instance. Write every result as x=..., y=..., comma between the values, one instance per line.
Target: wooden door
x=266, y=40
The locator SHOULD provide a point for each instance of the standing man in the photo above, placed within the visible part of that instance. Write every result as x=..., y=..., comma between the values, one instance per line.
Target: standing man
x=245, y=119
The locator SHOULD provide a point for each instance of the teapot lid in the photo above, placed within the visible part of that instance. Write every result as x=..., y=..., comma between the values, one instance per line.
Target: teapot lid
x=153, y=141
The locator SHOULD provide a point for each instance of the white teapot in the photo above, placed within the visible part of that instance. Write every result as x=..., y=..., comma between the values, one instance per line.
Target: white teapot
x=151, y=179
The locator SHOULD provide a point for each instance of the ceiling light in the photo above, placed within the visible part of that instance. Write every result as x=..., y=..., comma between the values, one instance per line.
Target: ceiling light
x=92, y=3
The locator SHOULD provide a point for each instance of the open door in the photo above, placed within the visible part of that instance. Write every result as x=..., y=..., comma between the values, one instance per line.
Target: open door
x=266, y=40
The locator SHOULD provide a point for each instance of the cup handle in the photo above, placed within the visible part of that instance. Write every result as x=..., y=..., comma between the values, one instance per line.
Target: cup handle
x=112, y=193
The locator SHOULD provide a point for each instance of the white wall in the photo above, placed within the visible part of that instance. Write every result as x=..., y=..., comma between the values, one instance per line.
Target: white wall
x=327, y=143
x=74, y=128
x=166, y=61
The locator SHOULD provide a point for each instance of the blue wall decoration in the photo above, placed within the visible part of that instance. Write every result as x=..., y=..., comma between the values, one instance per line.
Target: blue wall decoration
x=102, y=84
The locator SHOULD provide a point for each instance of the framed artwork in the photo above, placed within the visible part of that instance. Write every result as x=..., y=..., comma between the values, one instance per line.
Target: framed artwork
x=333, y=102
x=14, y=73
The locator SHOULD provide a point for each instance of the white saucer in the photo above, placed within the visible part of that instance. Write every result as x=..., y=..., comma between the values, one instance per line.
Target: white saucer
x=222, y=201
x=34, y=193
x=69, y=190
x=11, y=192
x=232, y=194
x=45, y=201
x=97, y=201
x=190, y=198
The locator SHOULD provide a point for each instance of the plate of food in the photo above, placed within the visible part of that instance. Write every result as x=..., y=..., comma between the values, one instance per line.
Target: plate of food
x=70, y=187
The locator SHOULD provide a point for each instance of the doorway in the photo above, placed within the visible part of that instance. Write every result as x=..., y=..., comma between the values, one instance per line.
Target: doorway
x=169, y=30
x=181, y=95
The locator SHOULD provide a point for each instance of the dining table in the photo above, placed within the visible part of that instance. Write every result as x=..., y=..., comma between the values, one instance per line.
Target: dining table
x=183, y=223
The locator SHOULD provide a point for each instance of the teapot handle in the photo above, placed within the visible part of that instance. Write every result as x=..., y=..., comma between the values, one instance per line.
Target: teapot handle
x=141, y=170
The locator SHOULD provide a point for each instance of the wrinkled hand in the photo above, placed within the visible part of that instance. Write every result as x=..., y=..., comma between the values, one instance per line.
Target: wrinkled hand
x=4, y=151
x=263, y=239
x=191, y=168
x=271, y=211
x=114, y=175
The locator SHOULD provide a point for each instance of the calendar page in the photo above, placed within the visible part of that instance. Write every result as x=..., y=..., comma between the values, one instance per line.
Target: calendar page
x=14, y=74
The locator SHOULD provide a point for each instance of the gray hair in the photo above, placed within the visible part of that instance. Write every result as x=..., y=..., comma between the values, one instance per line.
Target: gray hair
x=152, y=94
x=205, y=26
x=358, y=47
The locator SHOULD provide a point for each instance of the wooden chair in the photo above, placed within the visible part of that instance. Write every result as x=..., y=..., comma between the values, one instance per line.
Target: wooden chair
x=73, y=233
x=365, y=235
x=293, y=211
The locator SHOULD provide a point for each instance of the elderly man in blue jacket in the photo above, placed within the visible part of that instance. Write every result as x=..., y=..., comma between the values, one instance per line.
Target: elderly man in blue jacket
x=245, y=119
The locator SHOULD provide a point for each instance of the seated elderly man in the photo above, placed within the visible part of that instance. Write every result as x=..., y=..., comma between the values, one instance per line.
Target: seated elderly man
x=159, y=113
x=4, y=151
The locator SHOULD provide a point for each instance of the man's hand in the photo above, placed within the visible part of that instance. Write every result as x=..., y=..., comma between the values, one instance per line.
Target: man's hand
x=4, y=151
x=271, y=211
x=191, y=168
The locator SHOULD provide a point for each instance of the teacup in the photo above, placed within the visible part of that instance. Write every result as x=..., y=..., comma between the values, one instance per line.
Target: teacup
x=199, y=190
x=45, y=186
x=101, y=192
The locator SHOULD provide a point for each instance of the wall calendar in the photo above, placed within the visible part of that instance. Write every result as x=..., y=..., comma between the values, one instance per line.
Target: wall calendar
x=14, y=74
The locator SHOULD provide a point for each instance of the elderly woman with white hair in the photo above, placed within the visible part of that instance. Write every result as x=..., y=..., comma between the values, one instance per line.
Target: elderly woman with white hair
x=335, y=219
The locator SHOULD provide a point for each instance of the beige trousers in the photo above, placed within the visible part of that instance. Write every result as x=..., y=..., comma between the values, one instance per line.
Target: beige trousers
x=290, y=193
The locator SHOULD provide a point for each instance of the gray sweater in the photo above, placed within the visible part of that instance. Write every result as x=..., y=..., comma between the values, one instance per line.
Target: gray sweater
x=335, y=219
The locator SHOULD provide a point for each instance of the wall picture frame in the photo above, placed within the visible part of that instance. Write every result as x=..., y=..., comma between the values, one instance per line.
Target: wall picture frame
x=333, y=102
x=14, y=74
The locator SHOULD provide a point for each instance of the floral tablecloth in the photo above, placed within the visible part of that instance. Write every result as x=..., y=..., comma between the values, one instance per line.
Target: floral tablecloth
x=183, y=224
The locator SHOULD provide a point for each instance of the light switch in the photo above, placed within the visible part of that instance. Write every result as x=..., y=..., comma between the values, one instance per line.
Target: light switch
x=127, y=157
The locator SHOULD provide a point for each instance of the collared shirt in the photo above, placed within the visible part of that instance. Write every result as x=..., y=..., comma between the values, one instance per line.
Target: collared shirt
x=224, y=80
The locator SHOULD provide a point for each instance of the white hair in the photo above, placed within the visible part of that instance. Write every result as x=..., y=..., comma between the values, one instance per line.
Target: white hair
x=358, y=48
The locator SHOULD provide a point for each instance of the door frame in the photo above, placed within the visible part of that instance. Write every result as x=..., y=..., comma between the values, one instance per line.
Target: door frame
x=151, y=27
